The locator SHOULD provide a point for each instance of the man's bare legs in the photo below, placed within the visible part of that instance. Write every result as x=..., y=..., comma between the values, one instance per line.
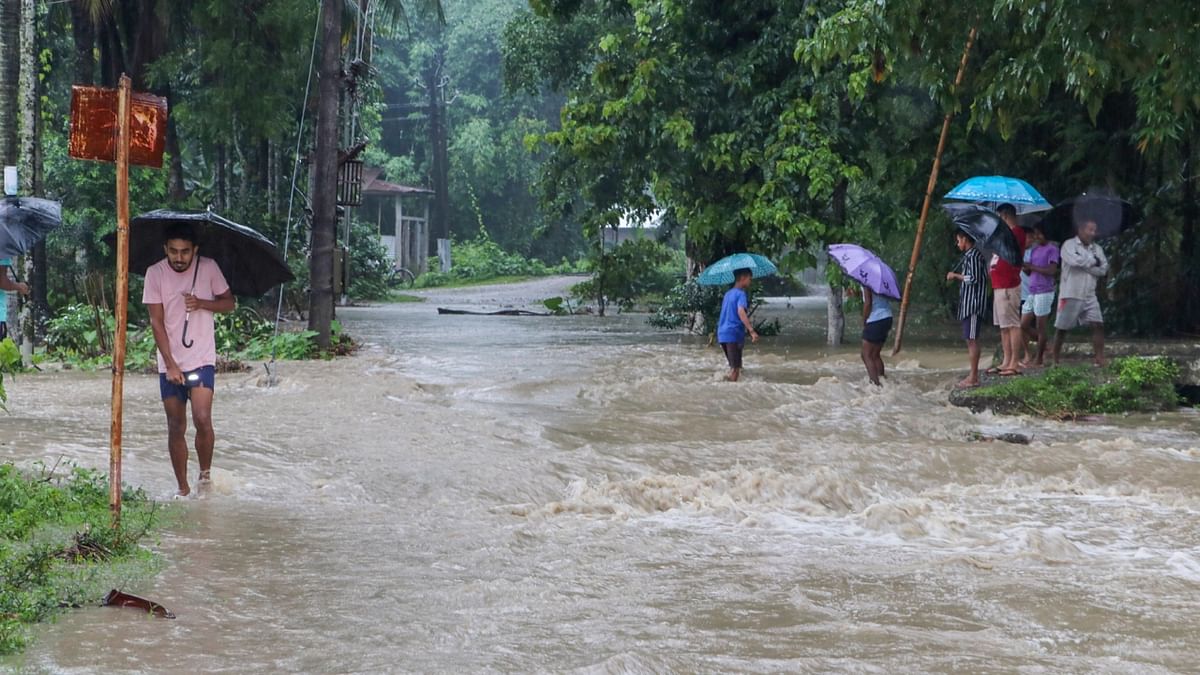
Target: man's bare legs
x=176, y=410
x=1060, y=336
x=1028, y=335
x=1098, y=344
x=1043, y=325
x=973, y=352
x=177, y=441
x=202, y=400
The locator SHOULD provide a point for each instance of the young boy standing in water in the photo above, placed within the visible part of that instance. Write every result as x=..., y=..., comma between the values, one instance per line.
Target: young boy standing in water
x=734, y=323
x=972, y=300
x=877, y=322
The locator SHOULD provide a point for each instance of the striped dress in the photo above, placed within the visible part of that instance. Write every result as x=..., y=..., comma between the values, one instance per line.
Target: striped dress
x=972, y=293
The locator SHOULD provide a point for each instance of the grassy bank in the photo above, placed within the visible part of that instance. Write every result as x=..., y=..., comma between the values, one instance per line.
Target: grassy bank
x=1127, y=385
x=57, y=549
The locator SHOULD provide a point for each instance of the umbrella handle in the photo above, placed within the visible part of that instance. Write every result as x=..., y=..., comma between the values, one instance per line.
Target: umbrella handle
x=188, y=316
x=184, y=339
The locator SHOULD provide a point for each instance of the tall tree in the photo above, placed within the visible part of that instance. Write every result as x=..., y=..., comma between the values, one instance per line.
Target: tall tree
x=10, y=68
x=30, y=162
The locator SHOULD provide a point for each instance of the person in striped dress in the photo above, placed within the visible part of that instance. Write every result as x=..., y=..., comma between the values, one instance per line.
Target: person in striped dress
x=971, y=273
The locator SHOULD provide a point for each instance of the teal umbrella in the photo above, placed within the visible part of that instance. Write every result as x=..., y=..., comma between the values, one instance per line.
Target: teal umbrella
x=721, y=272
x=996, y=190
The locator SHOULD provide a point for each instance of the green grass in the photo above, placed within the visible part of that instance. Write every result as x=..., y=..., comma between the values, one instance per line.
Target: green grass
x=1126, y=385
x=395, y=296
x=58, y=549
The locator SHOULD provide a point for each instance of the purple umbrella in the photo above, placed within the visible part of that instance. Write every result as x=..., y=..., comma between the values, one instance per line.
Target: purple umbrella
x=866, y=268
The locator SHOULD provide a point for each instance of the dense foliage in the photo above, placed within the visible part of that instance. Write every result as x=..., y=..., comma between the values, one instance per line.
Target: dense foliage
x=785, y=126
x=635, y=269
x=480, y=260
x=10, y=362
x=58, y=548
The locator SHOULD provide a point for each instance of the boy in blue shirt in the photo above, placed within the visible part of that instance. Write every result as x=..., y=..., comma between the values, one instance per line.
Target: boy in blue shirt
x=735, y=323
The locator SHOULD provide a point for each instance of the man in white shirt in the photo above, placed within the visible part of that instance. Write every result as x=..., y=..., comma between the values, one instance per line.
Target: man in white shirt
x=1083, y=263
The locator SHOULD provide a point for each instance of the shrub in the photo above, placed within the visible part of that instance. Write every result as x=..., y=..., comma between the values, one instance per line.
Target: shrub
x=633, y=270
x=1132, y=384
x=370, y=265
x=481, y=259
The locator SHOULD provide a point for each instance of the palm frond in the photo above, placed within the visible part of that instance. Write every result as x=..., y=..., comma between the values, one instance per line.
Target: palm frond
x=393, y=13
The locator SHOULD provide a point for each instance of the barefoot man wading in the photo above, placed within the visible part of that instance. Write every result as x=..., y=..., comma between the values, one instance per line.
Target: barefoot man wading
x=182, y=293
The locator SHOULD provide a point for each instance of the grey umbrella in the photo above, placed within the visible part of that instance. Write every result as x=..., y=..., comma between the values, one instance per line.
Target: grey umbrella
x=24, y=221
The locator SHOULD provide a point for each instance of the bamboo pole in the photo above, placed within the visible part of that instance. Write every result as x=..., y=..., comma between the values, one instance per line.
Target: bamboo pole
x=933, y=175
x=122, y=298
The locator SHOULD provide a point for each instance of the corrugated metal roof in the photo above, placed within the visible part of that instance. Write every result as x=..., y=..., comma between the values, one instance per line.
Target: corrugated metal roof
x=373, y=185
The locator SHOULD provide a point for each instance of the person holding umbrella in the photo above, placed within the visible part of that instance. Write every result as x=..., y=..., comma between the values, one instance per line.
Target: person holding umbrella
x=878, y=283
x=1006, y=303
x=734, y=323
x=183, y=291
x=1083, y=262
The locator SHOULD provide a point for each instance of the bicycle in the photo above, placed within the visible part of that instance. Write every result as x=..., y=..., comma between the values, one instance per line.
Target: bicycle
x=401, y=278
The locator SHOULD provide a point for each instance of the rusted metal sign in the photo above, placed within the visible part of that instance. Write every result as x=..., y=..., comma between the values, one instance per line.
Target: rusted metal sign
x=94, y=126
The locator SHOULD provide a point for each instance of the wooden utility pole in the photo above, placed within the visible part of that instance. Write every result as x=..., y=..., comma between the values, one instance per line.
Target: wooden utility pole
x=122, y=299
x=139, y=139
x=325, y=166
x=933, y=174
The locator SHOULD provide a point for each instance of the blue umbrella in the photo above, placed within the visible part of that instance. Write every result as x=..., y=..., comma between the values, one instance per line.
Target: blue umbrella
x=996, y=190
x=866, y=268
x=721, y=272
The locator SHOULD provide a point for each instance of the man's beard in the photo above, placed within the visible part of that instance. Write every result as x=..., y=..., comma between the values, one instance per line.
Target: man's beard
x=180, y=267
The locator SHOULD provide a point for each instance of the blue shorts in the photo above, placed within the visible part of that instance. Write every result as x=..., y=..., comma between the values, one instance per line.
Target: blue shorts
x=204, y=376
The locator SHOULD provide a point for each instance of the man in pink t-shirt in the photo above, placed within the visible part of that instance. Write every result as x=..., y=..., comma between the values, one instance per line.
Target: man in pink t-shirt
x=182, y=292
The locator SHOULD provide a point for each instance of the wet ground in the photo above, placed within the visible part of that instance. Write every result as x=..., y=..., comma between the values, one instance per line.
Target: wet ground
x=585, y=494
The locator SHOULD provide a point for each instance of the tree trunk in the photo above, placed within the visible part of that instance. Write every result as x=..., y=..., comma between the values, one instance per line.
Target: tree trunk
x=10, y=68
x=84, y=33
x=35, y=268
x=10, y=49
x=219, y=178
x=324, y=196
x=272, y=181
x=836, y=325
x=435, y=88
x=1187, y=315
x=176, y=188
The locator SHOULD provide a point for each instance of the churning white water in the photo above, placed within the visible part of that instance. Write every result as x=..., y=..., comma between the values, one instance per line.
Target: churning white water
x=585, y=494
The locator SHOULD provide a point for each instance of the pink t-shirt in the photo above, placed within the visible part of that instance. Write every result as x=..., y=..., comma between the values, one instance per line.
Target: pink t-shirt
x=166, y=287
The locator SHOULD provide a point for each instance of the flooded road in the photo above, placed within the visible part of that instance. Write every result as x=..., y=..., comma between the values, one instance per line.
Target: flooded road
x=583, y=494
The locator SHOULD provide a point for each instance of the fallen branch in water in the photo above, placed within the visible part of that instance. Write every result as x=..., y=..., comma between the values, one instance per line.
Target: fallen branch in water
x=501, y=312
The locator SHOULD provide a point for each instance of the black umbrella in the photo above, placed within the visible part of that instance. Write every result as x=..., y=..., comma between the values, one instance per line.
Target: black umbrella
x=250, y=262
x=1112, y=216
x=24, y=221
x=987, y=229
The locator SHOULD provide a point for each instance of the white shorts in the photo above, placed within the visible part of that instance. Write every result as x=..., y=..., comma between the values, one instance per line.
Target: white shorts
x=1038, y=304
x=1075, y=312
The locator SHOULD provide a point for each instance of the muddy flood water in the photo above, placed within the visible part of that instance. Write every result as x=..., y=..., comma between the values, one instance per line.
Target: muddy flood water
x=580, y=494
